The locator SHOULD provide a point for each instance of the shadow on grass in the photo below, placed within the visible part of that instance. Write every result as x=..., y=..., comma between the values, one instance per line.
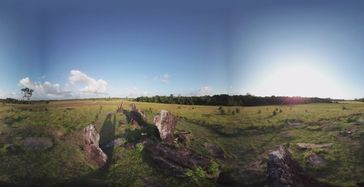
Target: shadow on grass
x=107, y=134
x=228, y=132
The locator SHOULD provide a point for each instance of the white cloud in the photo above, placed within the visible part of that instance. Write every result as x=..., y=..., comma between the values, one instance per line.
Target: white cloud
x=205, y=90
x=165, y=79
x=90, y=85
x=45, y=90
x=79, y=86
x=4, y=95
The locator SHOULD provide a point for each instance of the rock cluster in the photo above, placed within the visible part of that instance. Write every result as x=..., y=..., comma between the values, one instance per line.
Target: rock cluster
x=166, y=124
x=91, y=146
x=174, y=161
x=283, y=170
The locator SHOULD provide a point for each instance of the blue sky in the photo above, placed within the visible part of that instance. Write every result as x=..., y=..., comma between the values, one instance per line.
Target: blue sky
x=71, y=49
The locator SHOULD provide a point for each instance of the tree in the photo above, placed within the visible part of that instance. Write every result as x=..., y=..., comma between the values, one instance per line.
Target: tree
x=27, y=93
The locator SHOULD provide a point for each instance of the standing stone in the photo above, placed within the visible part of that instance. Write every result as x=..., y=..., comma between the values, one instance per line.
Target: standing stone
x=133, y=107
x=166, y=124
x=91, y=146
x=284, y=171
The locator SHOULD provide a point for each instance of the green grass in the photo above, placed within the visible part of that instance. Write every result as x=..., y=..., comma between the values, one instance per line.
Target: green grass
x=246, y=134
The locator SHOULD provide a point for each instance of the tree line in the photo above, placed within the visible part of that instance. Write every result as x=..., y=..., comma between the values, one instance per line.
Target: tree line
x=360, y=99
x=233, y=100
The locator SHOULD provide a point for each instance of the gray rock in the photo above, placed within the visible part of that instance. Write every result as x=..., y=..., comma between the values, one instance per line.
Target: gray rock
x=37, y=143
x=166, y=124
x=115, y=143
x=91, y=146
x=311, y=145
x=215, y=150
x=283, y=170
x=316, y=160
x=174, y=161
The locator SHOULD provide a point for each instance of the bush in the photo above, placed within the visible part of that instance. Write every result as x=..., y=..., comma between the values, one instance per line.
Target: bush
x=213, y=168
x=222, y=111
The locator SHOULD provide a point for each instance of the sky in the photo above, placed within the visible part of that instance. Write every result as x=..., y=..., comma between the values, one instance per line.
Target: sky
x=79, y=49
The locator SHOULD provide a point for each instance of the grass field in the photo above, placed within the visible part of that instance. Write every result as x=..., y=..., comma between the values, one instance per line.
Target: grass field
x=246, y=134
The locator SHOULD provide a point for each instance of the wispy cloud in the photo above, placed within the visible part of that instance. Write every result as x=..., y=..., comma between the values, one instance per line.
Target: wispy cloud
x=205, y=90
x=165, y=78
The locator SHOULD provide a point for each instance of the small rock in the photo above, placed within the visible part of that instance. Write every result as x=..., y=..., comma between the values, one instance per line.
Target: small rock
x=37, y=143
x=311, y=145
x=115, y=143
x=183, y=137
x=316, y=160
x=11, y=148
x=215, y=150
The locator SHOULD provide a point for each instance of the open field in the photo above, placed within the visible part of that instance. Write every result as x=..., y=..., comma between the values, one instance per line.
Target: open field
x=334, y=132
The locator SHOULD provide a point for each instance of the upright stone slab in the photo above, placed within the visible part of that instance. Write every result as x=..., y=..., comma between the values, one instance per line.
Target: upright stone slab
x=166, y=124
x=91, y=146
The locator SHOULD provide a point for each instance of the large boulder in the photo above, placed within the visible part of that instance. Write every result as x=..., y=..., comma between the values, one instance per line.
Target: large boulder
x=166, y=124
x=284, y=171
x=91, y=146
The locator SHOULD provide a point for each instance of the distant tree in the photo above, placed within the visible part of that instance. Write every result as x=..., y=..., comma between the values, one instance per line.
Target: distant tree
x=27, y=93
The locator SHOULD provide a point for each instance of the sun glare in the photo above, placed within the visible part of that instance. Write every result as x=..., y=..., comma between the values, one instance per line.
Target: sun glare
x=297, y=81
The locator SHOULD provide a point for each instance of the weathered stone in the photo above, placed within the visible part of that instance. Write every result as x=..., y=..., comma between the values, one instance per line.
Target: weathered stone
x=120, y=108
x=215, y=150
x=316, y=160
x=37, y=143
x=183, y=137
x=91, y=146
x=283, y=170
x=174, y=161
x=166, y=124
x=115, y=143
x=311, y=145
x=133, y=107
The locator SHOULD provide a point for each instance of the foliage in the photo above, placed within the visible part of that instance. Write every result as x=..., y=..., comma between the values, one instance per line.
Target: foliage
x=232, y=100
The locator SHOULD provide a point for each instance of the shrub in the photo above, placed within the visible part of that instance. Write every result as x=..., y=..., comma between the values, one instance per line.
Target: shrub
x=237, y=110
x=213, y=168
